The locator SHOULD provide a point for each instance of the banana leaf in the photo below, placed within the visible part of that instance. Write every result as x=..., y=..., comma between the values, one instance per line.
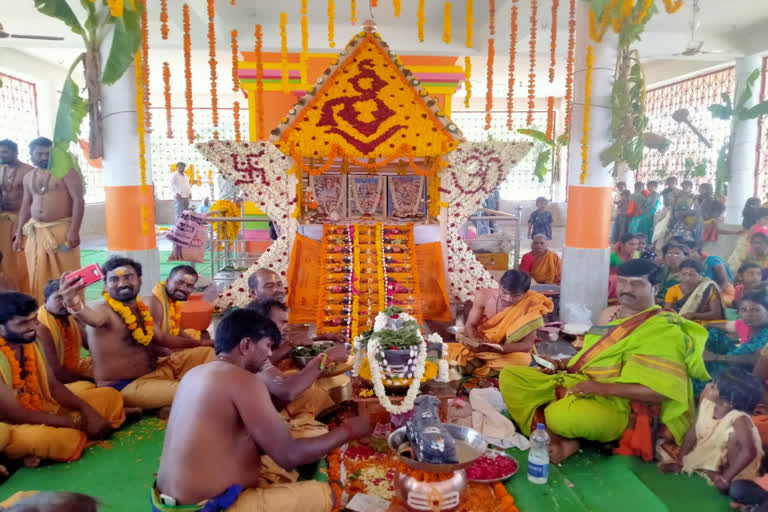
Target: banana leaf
x=69, y=119
x=720, y=111
x=60, y=10
x=542, y=160
x=746, y=94
x=759, y=110
x=536, y=134
x=125, y=43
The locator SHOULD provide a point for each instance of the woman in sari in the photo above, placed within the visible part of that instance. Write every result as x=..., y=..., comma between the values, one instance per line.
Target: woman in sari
x=648, y=204
x=715, y=269
x=696, y=298
x=674, y=255
x=624, y=250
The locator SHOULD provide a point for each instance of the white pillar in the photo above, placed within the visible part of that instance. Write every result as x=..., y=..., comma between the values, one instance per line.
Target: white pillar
x=586, y=256
x=744, y=136
x=124, y=201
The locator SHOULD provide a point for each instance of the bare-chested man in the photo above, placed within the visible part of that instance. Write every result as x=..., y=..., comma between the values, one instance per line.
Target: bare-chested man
x=165, y=305
x=501, y=326
x=14, y=264
x=224, y=422
x=50, y=217
x=129, y=359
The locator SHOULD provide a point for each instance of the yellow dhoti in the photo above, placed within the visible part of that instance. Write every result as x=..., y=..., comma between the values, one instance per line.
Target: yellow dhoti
x=157, y=388
x=14, y=264
x=510, y=325
x=45, y=258
x=61, y=444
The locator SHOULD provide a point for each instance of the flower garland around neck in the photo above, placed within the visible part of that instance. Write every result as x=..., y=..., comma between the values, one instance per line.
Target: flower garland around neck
x=174, y=313
x=71, y=348
x=29, y=387
x=142, y=334
x=377, y=379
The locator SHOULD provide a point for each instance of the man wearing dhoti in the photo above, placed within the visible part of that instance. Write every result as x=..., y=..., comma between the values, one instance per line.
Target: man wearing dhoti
x=637, y=354
x=14, y=264
x=543, y=265
x=62, y=339
x=165, y=307
x=42, y=418
x=50, y=217
x=127, y=355
x=501, y=327
x=222, y=424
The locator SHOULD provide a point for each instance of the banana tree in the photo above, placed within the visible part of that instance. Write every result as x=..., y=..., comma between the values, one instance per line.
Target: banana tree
x=544, y=157
x=100, y=17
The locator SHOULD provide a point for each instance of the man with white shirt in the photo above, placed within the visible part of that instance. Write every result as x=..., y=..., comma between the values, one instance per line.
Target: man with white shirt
x=182, y=190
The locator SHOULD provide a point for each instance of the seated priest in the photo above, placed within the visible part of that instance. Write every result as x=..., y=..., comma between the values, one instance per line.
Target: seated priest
x=696, y=297
x=165, y=306
x=265, y=284
x=300, y=395
x=543, y=265
x=127, y=354
x=62, y=338
x=501, y=327
x=223, y=423
x=637, y=354
x=42, y=418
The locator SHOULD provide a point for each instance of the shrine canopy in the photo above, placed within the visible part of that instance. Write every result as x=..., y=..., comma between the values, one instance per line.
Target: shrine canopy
x=369, y=111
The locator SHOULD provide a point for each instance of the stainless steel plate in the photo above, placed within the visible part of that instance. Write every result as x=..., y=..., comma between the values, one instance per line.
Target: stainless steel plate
x=470, y=446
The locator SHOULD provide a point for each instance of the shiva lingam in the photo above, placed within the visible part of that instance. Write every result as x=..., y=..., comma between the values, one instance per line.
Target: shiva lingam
x=427, y=445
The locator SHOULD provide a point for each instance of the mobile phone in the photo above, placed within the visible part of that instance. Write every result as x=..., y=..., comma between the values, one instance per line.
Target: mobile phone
x=90, y=274
x=543, y=362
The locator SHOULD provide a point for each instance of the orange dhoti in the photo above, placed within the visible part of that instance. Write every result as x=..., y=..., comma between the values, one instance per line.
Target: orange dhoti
x=46, y=259
x=510, y=325
x=14, y=265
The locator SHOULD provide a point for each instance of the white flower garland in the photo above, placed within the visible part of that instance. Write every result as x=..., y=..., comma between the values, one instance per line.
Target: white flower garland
x=442, y=365
x=378, y=385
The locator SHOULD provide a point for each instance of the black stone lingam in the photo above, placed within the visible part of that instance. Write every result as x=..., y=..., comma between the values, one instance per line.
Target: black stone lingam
x=430, y=440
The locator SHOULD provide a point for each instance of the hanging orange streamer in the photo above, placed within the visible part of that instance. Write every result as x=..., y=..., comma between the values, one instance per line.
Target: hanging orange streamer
x=212, y=66
x=331, y=23
x=167, y=95
x=489, y=84
x=420, y=20
x=492, y=17
x=259, y=85
x=235, y=59
x=512, y=57
x=553, y=41
x=571, y=63
x=467, y=81
x=164, y=19
x=470, y=16
x=532, y=69
x=396, y=5
x=353, y=12
x=236, y=116
x=447, y=23
x=188, y=75
x=550, y=117
x=585, y=124
x=145, y=69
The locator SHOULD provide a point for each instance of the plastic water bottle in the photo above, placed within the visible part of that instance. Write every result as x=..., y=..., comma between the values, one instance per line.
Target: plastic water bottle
x=538, y=456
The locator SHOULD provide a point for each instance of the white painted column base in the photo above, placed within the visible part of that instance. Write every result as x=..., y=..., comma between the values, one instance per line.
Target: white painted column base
x=584, y=281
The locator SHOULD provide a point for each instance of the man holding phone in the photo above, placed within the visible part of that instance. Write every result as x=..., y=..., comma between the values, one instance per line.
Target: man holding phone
x=127, y=355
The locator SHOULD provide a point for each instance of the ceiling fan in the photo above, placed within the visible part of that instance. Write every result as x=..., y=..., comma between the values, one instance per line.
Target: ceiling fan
x=694, y=47
x=6, y=35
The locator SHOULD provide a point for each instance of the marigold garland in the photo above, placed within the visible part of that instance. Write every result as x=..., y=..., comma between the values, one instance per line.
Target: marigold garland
x=188, y=75
x=115, y=7
x=353, y=12
x=374, y=3
x=212, y=66
x=420, y=20
x=167, y=96
x=304, y=32
x=141, y=334
x=571, y=63
x=142, y=134
x=380, y=276
x=223, y=208
x=397, y=6
x=673, y=6
x=235, y=60
x=532, y=59
x=489, y=83
x=470, y=16
x=467, y=81
x=174, y=314
x=553, y=41
x=236, y=116
x=513, y=26
x=331, y=18
x=585, y=125
x=284, y=53
x=550, y=117
x=447, y=23
x=28, y=389
x=492, y=17
x=145, y=69
x=259, y=85
x=354, y=327
x=507, y=501
x=164, y=19
x=71, y=356
x=334, y=477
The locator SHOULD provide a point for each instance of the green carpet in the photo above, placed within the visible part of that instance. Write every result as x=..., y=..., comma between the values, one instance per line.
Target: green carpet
x=120, y=472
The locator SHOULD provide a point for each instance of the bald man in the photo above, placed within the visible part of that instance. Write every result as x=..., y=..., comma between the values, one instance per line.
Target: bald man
x=265, y=284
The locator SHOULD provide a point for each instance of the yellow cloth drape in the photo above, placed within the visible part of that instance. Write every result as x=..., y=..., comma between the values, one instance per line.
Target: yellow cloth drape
x=48, y=320
x=162, y=295
x=547, y=268
x=14, y=265
x=434, y=298
x=45, y=258
x=510, y=325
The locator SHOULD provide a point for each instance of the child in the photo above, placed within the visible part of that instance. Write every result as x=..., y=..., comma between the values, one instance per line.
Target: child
x=540, y=221
x=711, y=211
x=751, y=279
x=686, y=198
x=723, y=445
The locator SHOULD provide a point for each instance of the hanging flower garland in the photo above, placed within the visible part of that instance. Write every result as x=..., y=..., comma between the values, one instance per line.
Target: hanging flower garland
x=550, y=117
x=235, y=60
x=489, y=84
x=672, y=6
x=164, y=19
x=212, y=66
x=142, y=135
x=512, y=60
x=353, y=12
x=470, y=16
x=553, y=41
x=27, y=389
x=571, y=64
x=492, y=17
x=585, y=125
x=174, y=314
x=467, y=81
x=284, y=53
x=304, y=32
x=145, y=69
x=188, y=75
x=115, y=7
x=447, y=23
x=420, y=20
x=331, y=18
x=167, y=96
x=381, y=269
x=236, y=116
x=532, y=69
x=397, y=6
x=259, y=84
x=354, y=324
x=224, y=208
x=142, y=335
x=71, y=356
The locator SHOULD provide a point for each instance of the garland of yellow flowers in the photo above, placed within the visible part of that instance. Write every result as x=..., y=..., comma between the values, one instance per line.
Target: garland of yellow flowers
x=304, y=32
x=212, y=68
x=673, y=6
x=420, y=20
x=188, y=74
x=513, y=26
x=447, y=23
x=353, y=12
x=224, y=208
x=470, y=22
x=141, y=130
x=331, y=17
x=28, y=389
x=467, y=82
x=142, y=335
x=236, y=115
x=71, y=350
x=380, y=278
x=355, y=320
x=585, y=125
x=284, y=53
x=259, y=84
x=396, y=5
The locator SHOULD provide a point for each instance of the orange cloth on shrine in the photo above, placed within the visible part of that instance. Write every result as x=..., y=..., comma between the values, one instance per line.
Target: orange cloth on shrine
x=434, y=298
